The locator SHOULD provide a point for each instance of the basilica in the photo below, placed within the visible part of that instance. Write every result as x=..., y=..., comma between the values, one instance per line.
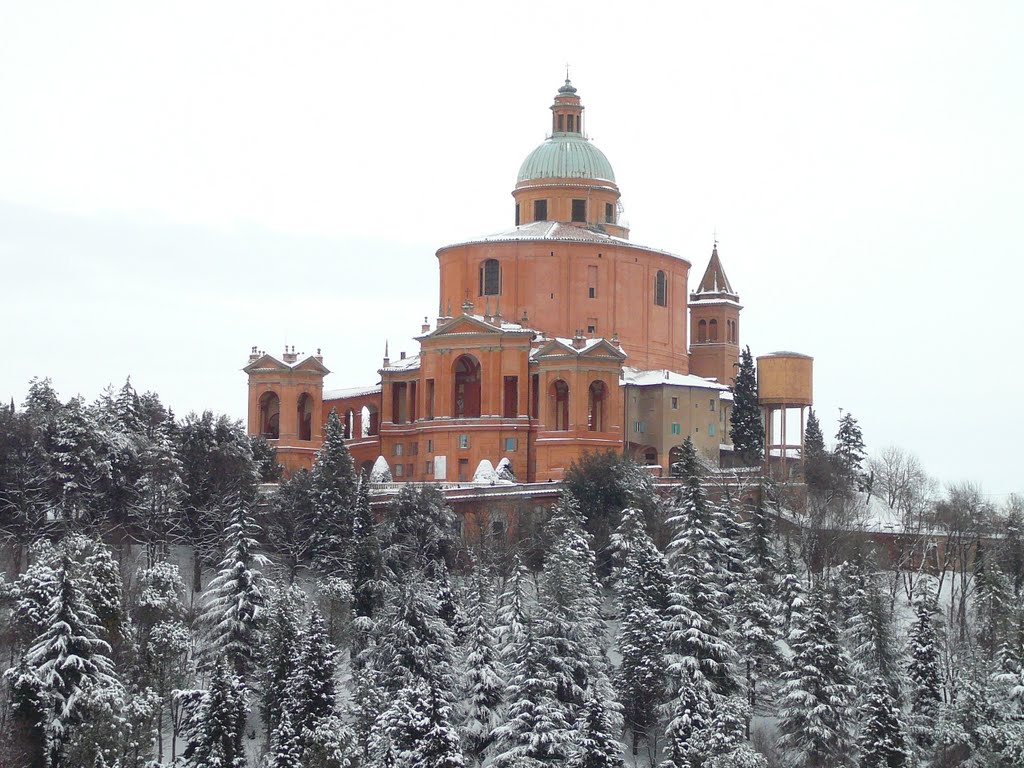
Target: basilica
x=555, y=337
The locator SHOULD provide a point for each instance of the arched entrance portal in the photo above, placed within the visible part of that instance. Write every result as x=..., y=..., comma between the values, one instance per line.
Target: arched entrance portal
x=466, y=395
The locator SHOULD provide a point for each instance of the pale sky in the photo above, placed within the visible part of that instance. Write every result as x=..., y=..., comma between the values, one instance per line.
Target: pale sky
x=181, y=181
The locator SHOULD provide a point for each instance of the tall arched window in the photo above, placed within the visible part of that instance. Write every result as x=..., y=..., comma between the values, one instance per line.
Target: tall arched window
x=560, y=405
x=466, y=394
x=490, y=278
x=595, y=406
x=661, y=289
x=702, y=331
x=350, y=424
x=713, y=330
x=305, y=416
x=270, y=416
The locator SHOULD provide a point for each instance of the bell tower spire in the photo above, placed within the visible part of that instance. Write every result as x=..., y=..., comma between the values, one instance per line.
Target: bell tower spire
x=715, y=324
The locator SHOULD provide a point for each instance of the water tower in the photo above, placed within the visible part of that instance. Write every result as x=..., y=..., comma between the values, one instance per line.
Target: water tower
x=784, y=392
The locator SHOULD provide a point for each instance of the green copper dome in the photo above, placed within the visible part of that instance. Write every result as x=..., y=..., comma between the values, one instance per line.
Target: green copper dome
x=566, y=156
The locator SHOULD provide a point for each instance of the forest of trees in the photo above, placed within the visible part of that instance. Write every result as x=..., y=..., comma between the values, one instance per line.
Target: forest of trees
x=158, y=610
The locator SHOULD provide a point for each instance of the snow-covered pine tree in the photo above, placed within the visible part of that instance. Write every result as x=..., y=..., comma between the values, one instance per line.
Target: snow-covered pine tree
x=334, y=496
x=418, y=530
x=217, y=726
x=278, y=654
x=535, y=732
x=597, y=745
x=868, y=631
x=746, y=430
x=642, y=598
x=514, y=615
x=816, y=459
x=313, y=691
x=289, y=522
x=235, y=599
x=570, y=628
x=992, y=602
x=849, y=451
x=483, y=684
x=417, y=731
x=285, y=744
x=924, y=674
x=156, y=509
x=883, y=739
x=817, y=716
x=368, y=586
x=699, y=642
x=792, y=594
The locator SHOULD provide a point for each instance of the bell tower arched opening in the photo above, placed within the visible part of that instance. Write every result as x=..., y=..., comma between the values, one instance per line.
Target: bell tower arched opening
x=270, y=416
x=304, y=410
x=595, y=406
x=560, y=406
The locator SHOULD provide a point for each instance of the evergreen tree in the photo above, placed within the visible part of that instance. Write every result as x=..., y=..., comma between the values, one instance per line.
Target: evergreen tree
x=156, y=510
x=817, y=460
x=792, y=594
x=483, y=685
x=642, y=591
x=923, y=668
x=264, y=456
x=992, y=601
x=69, y=660
x=334, y=494
x=313, y=692
x=596, y=742
x=235, y=601
x=285, y=744
x=849, y=451
x=290, y=522
x=417, y=731
x=279, y=655
x=883, y=741
x=418, y=530
x=747, y=431
x=817, y=714
x=368, y=587
x=217, y=726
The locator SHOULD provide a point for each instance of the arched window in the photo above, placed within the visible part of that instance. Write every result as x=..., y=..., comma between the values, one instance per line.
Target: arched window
x=713, y=330
x=595, y=406
x=490, y=278
x=702, y=331
x=660, y=289
x=560, y=405
x=305, y=416
x=350, y=424
x=466, y=394
x=270, y=416
x=368, y=418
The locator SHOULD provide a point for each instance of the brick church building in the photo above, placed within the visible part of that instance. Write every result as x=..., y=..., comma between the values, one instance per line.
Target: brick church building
x=555, y=337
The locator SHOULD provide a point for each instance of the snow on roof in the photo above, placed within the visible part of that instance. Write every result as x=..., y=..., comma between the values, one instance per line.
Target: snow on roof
x=554, y=230
x=403, y=364
x=638, y=378
x=725, y=395
x=338, y=394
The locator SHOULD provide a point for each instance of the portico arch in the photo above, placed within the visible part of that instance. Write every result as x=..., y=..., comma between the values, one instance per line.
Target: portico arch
x=466, y=388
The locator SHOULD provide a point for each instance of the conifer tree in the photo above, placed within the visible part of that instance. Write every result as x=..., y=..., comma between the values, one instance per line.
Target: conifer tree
x=334, y=495
x=992, y=601
x=285, y=744
x=849, y=451
x=279, y=654
x=313, y=691
x=792, y=594
x=69, y=660
x=817, y=711
x=483, y=684
x=642, y=592
x=596, y=742
x=217, y=726
x=367, y=579
x=883, y=740
x=417, y=730
x=923, y=668
x=235, y=600
x=747, y=431
x=817, y=460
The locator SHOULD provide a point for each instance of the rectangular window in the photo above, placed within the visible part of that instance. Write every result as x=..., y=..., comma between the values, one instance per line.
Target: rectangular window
x=592, y=281
x=410, y=470
x=430, y=398
x=463, y=470
x=399, y=470
x=540, y=210
x=579, y=211
x=592, y=293
x=675, y=403
x=414, y=449
x=676, y=428
x=430, y=446
x=428, y=467
x=591, y=329
x=609, y=213
x=711, y=429
x=510, y=443
x=511, y=400
x=535, y=396
x=712, y=403
x=398, y=449
x=517, y=214
x=639, y=427
x=463, y=442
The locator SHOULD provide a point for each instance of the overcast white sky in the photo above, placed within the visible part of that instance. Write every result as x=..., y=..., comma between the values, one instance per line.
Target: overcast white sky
x=180, y=181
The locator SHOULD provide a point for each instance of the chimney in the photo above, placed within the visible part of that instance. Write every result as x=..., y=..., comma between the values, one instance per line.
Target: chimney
x=289, y=354
x=425, y=328
x=401, y=355
x=253, y=355
x=319, y=356
x=579, y=340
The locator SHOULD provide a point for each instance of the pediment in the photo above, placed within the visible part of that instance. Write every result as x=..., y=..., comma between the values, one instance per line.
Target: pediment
x=463, y=324
x=266, y=363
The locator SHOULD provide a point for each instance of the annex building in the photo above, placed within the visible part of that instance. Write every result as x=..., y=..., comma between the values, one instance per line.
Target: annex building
x=555, y=337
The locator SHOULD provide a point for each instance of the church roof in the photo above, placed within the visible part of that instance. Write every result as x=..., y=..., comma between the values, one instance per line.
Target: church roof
x=566, y=156
x=714, y=280
x=346, y=392
x=638, y=378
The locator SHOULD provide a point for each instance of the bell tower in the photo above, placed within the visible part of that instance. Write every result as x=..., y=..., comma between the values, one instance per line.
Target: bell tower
x=715, y=325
